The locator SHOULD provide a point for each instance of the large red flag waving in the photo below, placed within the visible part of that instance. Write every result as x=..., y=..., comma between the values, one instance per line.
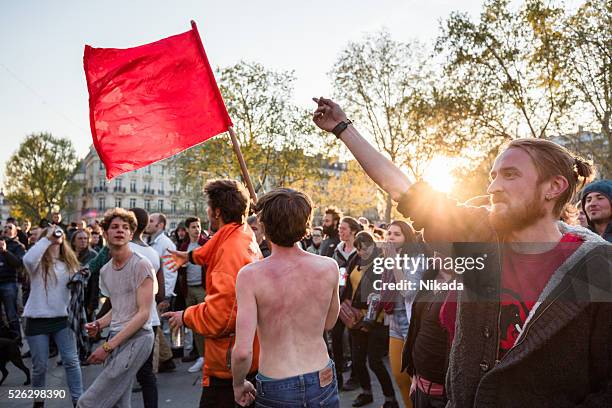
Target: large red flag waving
x=150, y=102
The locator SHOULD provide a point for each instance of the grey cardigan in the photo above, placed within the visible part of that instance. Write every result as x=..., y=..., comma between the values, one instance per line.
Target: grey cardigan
x=563, y=357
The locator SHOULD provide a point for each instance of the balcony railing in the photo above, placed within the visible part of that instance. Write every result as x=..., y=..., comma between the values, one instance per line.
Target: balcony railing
x=118, y=189
x=102, y=189
x=147, y=190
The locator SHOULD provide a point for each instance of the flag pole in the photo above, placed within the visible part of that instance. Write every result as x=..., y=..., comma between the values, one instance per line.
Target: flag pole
x=230, y=129
x=243, y=167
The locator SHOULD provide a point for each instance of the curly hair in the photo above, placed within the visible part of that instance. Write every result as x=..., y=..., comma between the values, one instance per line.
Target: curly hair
x=124, y=215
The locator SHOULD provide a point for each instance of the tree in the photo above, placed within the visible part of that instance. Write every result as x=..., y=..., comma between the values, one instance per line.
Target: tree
x=343, y=185
x=389, y=88
x=586, y=45
x=507, y=68
x=271, y=130
x=39, y=175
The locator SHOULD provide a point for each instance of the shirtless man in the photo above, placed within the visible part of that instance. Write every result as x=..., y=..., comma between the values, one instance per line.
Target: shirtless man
x=290, y=298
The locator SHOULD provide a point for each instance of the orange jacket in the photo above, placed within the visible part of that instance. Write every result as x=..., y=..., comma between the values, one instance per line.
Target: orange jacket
x=231, y=248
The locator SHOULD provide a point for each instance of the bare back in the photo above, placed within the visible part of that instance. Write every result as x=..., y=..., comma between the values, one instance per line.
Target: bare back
x=296, y=292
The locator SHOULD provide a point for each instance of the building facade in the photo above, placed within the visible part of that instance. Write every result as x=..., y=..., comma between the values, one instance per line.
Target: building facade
x=153, y=188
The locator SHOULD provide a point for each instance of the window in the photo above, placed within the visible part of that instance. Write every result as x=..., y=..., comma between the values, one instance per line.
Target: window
x=173, y=207
x=187, y=206
x=101, y=204
x=173, y=225
x=132, y=186
x=118, y=202
x=148, y=205
x=101, y=183
x=132, y=203
x=161, y=170
x=118, y=182
x=148, y=170
x=160, y=205
x=100, y=165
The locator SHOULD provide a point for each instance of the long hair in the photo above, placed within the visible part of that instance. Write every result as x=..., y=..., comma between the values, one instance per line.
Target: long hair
x=66, y=255
x=410, y=236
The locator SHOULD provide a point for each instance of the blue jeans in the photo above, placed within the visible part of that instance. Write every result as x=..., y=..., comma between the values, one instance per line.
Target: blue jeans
x=66, y=345
x=8, y=296
x=299, y=391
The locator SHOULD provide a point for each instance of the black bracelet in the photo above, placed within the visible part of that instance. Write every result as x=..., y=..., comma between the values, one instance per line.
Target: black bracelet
x=341, y=127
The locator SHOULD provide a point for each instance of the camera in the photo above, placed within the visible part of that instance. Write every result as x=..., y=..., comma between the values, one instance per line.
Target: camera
x=58, y=233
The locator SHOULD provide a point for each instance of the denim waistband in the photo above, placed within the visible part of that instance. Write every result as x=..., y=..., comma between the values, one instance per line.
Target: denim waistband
x=267, y=384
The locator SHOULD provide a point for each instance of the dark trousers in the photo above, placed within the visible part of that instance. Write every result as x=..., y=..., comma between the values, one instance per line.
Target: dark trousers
x=8, y=297
x=147, y=380
x=422, y=400
x=371, y=346
x=338, y=349
x=220, y=393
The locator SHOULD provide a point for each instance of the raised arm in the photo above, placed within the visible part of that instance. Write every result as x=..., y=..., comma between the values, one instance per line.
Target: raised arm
x=33, y=257
x=378, y=167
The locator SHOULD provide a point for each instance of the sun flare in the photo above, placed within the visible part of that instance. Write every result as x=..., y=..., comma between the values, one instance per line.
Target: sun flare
x=438, y=173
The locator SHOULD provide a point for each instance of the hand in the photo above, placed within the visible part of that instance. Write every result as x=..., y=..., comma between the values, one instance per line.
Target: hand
x=163, y=305
x=328, y=114
x=2, y=246
x=92, y=329
x=175, y=319
x=175, y=259
x=244, y=394
x=98, y=356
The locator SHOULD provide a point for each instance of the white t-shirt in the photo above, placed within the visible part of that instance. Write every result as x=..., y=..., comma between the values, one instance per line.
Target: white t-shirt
x=121, y=286
x=153, y=257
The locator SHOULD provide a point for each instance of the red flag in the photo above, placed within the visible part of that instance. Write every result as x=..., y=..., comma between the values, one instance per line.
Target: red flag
x=150, y=102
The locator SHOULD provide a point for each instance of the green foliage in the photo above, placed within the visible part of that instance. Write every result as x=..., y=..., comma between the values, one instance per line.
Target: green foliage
x=275, y=136
x=507, y=67
x=39, y=175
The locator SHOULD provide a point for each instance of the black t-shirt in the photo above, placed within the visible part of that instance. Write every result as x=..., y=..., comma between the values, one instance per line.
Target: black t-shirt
x=431, y=348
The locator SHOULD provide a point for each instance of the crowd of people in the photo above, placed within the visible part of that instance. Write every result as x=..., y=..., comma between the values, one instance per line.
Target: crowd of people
x=281, y=309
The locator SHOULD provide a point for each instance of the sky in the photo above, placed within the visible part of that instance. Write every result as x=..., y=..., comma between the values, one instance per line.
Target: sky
x=42, y=82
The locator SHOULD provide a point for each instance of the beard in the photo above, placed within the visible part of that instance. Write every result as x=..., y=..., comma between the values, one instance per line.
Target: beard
x=330, y=230
x=517, y=217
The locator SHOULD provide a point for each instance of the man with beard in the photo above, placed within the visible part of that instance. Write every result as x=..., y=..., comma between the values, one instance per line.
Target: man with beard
x=232, y=246
x=331, y=221
x=554, y=279
x=597, y=205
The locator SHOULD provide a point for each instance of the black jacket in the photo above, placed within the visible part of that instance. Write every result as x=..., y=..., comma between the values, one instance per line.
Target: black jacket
x=10, y=261
x=563, y=357
x=328, y=246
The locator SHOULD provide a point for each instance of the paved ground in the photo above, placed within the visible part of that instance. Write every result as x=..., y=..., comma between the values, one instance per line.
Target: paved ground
x=176, y=389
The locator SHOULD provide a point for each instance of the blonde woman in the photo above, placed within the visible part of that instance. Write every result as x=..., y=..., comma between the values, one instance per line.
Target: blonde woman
x=50, y=263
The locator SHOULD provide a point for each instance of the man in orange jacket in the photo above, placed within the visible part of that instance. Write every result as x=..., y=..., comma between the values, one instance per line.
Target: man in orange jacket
x=232, y=246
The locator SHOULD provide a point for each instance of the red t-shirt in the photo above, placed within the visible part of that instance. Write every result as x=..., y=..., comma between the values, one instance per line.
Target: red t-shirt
x=524, y=277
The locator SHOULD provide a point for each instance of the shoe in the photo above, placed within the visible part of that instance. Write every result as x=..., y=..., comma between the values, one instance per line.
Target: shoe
x=190, y=357
x=197, y=367
x=166, y=366
x=351, y=385
x=363, y=399
x=390, y=404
